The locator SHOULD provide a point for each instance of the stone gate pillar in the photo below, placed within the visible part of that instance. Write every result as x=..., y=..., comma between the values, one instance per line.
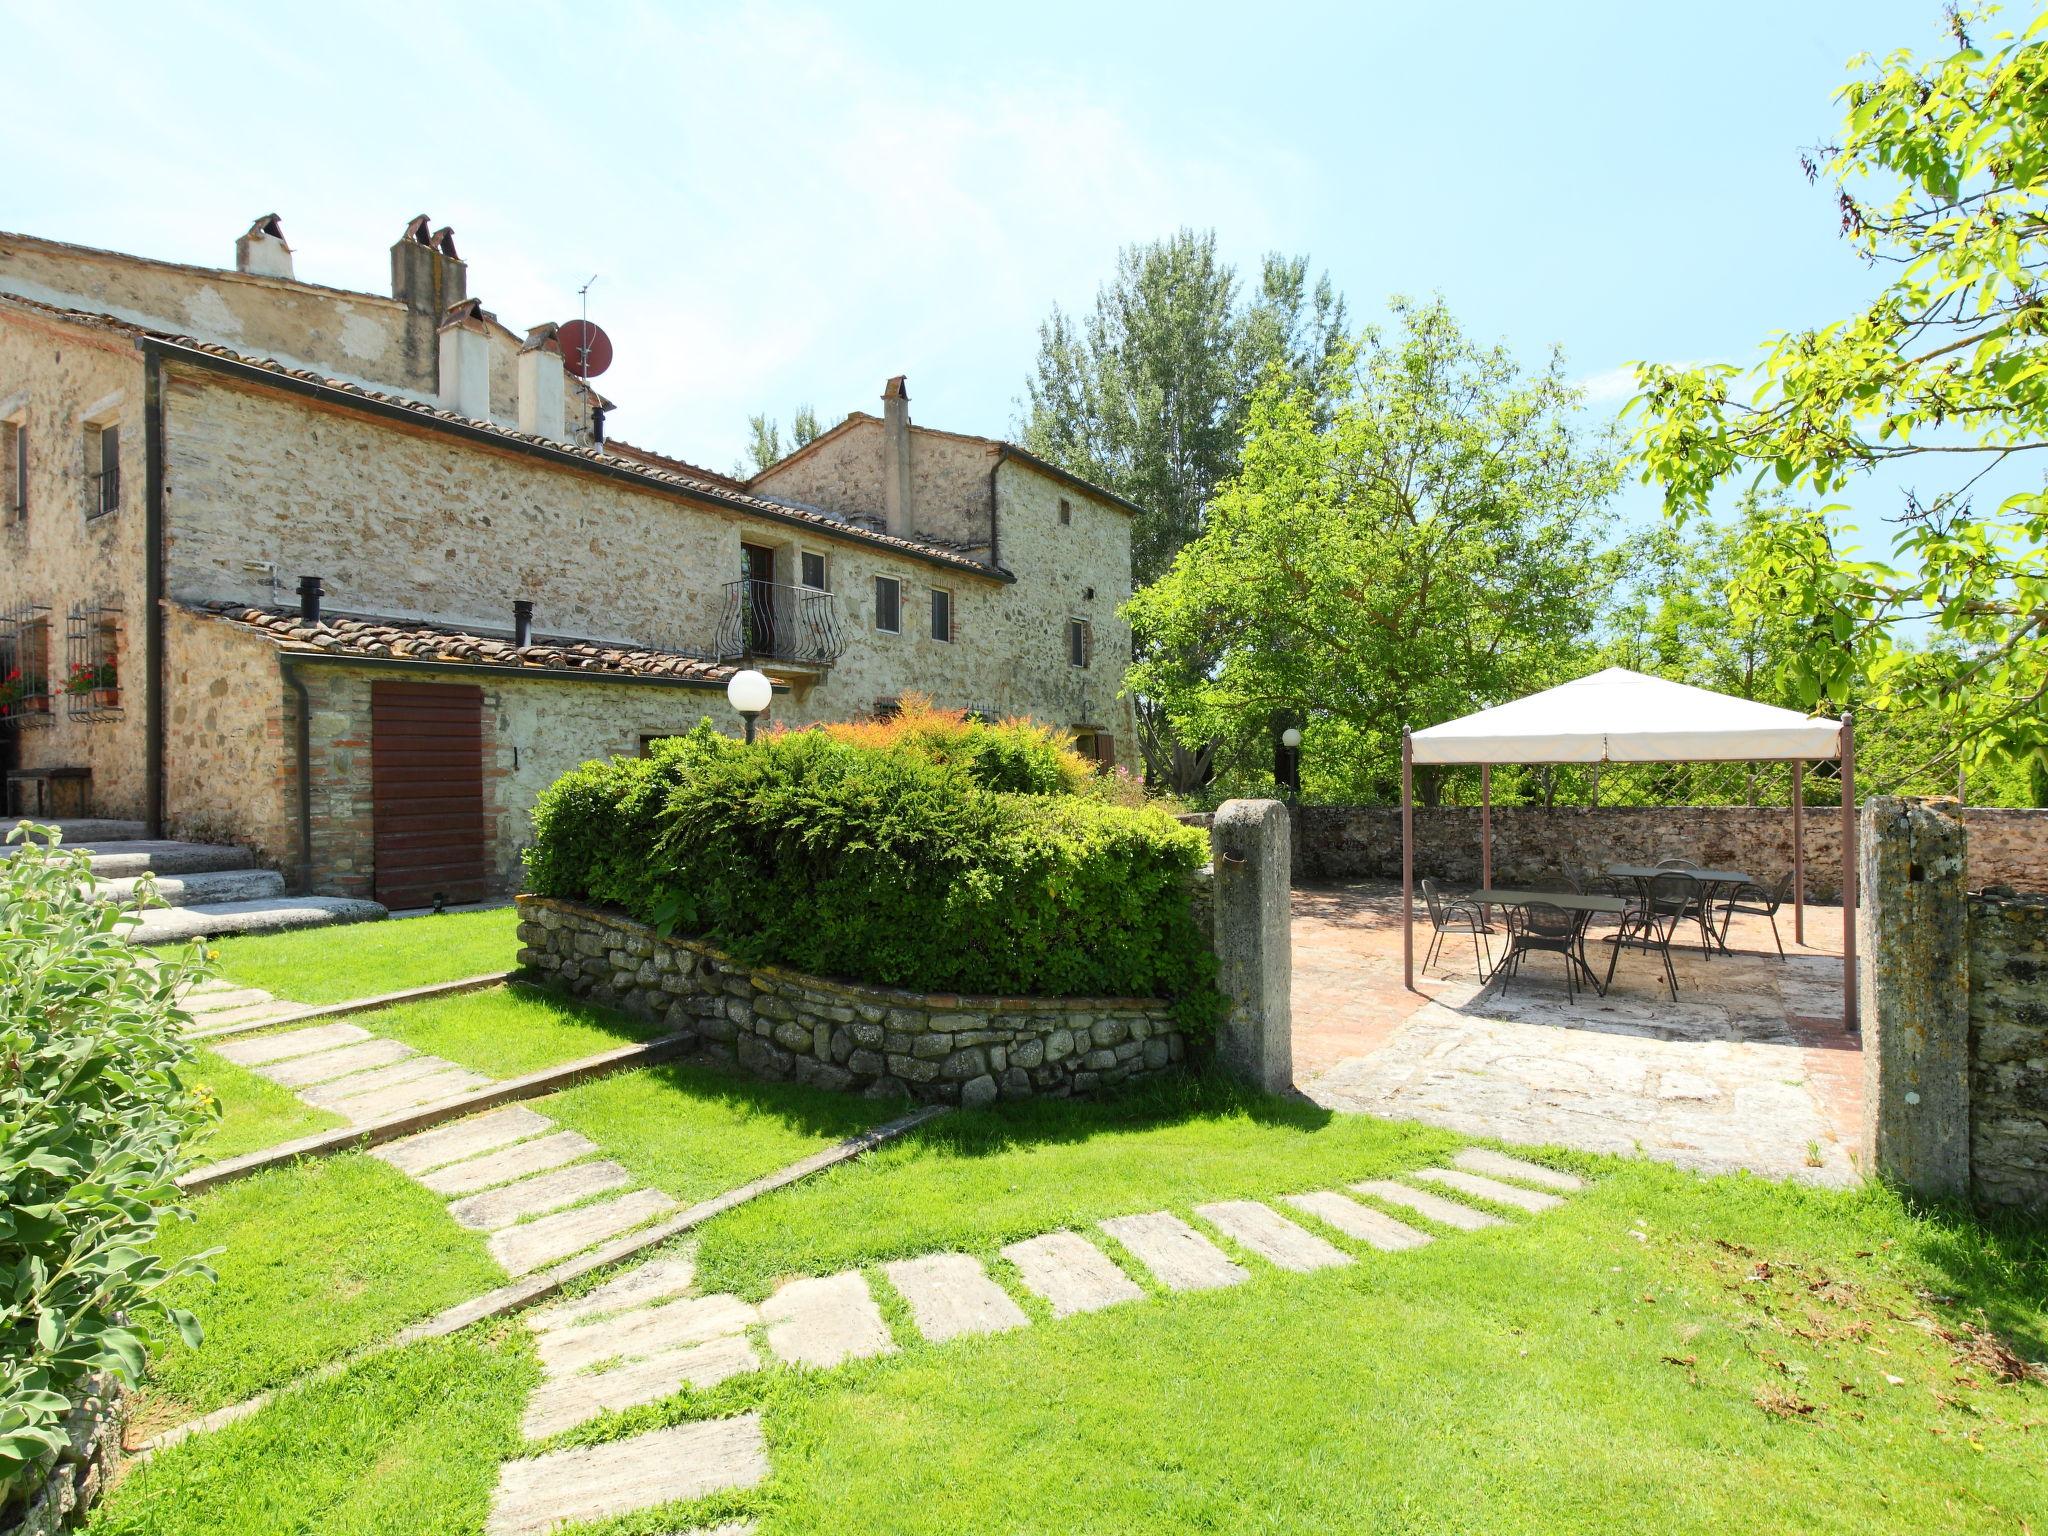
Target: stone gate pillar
x=1913, y=986
x=1254, y=947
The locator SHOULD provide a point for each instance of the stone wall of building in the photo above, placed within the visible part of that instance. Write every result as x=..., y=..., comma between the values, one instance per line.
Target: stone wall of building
x=228, y=720
x=55, y=378
x=949, y=478
x=1333, y=842
x=2008, y=939
x=782, y=1025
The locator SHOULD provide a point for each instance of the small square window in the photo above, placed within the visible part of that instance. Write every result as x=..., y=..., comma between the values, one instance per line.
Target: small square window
x=13, y=471
x=1066, y=512
x=942, y=614
x=1080, y=642
x=102, y=469
x=888, y=605
x=813, y=568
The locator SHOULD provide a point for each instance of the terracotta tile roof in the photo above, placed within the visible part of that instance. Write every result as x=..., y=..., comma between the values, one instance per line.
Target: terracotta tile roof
x=718, y=489
x=625, y=450
x=411, y=640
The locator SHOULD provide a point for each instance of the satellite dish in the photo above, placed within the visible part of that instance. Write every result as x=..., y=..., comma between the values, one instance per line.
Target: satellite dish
x=586, y=350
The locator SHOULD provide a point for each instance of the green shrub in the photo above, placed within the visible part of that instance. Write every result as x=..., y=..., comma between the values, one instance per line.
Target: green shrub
x=95, y=1117
x=885, y=865
x=1018, y=755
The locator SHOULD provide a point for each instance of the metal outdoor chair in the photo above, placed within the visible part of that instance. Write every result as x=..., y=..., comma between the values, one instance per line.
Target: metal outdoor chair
x=1667, y=901
x=1456, y=914
x=1758, y=901
x=1679, y=864
x=1608, y=885
x=1541, y=928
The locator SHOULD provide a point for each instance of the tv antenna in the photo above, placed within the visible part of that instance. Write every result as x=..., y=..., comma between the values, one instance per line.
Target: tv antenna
x=586, y=350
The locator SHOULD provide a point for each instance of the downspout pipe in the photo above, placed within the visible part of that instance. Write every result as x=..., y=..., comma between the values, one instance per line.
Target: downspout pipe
x=302, y=751
x=995, y=550
x=153, y=663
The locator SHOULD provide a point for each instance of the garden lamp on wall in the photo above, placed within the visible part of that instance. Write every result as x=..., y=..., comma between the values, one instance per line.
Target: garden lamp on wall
x=749, y=692
x=1290, y=742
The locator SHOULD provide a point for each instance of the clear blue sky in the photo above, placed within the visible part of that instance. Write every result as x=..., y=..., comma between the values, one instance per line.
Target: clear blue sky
x=788, y=204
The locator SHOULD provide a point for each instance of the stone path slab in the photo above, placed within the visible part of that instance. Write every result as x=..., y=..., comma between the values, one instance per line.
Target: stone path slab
x=563, y=1402
x=409, y=1069
x=538, y=1195
x=950, y=1294
x=1271, y=1236
x=1500, y=1166
x=649, y=1331
x=689, y=1461
x=301, y=1071
x=514, y=1162
x=430, y=1089
x=245, y=1016
x=1363, y=1222
x=219, y=997
x=1483, y=1188
x=1435, y=1207
x=825, y=1322
x=1071, y=1274
x=522, y=1249
x=1178, y=1256
x=655, y=1281
x=293, y=1042
x=465, y=1138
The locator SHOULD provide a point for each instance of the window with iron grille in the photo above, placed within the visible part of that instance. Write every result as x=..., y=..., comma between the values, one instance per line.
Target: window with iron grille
x=888, y=604
x=1080, y=642
x=102, y=469
x=942, y=614
x=92, y=662
x=25, y=666
x=13, y=470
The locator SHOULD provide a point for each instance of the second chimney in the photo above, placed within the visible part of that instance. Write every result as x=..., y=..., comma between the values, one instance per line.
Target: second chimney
x=522, y=622
x=465, y=377
x=262, y=251
x=543, y=408
x=897, y=513
x=309, y=599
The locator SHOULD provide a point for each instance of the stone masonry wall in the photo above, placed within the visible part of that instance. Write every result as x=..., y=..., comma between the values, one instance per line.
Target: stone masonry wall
x=783, y=1025
x=2009, y=1049
x=1333, y=842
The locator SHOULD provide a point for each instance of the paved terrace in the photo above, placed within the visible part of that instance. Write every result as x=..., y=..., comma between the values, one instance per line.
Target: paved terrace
x=1750, y=1068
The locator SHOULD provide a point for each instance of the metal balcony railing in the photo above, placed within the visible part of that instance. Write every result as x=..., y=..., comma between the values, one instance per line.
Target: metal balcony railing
x=775, y=621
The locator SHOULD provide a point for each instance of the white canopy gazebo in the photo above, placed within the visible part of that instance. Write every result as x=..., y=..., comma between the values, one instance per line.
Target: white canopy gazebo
x=1619, y=716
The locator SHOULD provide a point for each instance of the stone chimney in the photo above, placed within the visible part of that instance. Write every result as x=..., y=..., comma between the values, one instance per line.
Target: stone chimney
x=262, y=251
x=897, y=513
x=465, y=376
x=426, y=274
x=543, y=400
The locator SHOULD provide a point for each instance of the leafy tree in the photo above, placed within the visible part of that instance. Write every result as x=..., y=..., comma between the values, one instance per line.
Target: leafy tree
x=1427, y=545
x=765, y=437
x=1941, y=177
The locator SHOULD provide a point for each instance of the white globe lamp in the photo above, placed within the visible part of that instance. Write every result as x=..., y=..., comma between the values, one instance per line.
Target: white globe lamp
x=749, y=692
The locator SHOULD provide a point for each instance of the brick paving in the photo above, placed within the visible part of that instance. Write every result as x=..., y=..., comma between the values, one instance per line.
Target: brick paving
x=1750, y=1068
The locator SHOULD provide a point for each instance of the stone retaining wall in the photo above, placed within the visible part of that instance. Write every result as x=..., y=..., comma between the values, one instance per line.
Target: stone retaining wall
x=2009, y=1049
x=783, y=1025
x=66, y=1483
x=1340, y=842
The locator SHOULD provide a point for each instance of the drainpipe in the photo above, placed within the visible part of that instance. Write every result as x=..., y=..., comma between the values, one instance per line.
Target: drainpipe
x=994, y=549
x=153, y=595
x=303, y=751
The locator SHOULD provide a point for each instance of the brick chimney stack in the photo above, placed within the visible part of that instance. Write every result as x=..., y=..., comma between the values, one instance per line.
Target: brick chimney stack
x=426, y=274
x=897, y=512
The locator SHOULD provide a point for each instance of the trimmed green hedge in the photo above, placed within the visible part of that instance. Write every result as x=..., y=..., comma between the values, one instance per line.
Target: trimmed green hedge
x=883, y=865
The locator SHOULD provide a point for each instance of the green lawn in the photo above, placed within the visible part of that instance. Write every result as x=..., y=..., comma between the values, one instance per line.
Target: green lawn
x=332, y=965
x=1662, y=1354
x=319, y=1259
x=509, y=1031
x=255, y=1112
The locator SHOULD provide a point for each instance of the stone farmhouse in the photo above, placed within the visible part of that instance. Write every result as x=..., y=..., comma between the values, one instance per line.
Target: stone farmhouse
x=348, y=578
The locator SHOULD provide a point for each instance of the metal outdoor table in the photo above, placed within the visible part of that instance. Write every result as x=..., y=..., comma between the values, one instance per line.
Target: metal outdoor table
x=1570, y=901
x=1714, y=883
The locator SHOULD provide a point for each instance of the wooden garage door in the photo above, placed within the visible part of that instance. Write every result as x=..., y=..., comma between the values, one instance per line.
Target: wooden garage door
x=427, y=792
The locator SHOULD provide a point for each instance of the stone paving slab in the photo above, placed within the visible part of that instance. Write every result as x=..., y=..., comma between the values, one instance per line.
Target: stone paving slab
x=301, y=1071
x=465, y=1138
x=330, y=1095
x=1435, y=1207
x=508, y=1163
x=1071, y=1274
x=1271, y=1236
x=293, y=1042
x=655, y=1281
x=528, y=1246
x=950, y=1294
x=824, y=1322
x=219, y=998
x=647, y=1331
x=1500, y=1166
x=566, y=1401
x=430, y=1089
x=688, y=1461
x=276, y=1010
x=1483, y=1188
x=1179, y=1256
x=538, y=1195
x=1368, y=1225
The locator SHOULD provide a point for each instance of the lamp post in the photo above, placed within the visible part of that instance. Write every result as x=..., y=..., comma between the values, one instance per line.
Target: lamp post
x=1291, y=740
x=749, y=692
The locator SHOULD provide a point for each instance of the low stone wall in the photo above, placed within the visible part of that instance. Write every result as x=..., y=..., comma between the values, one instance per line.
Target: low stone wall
x=66, y=1483
x=783, y=1025
x=1339, y=842
x=2008, y=939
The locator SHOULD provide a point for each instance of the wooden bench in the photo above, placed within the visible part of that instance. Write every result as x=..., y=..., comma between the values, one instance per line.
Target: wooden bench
x=59, y=791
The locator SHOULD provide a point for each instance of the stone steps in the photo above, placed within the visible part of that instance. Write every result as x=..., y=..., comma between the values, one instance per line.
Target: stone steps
x=125, y=857
x=277, y=914
x=81, y=829
x=199, y=887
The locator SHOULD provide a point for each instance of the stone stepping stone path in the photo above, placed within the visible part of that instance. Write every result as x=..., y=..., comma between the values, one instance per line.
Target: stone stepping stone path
x=548, y=1239
x=220, y=1004
x=643, y=1336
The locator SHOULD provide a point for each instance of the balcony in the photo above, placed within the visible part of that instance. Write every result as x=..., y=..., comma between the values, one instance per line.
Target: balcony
x=773, y=621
